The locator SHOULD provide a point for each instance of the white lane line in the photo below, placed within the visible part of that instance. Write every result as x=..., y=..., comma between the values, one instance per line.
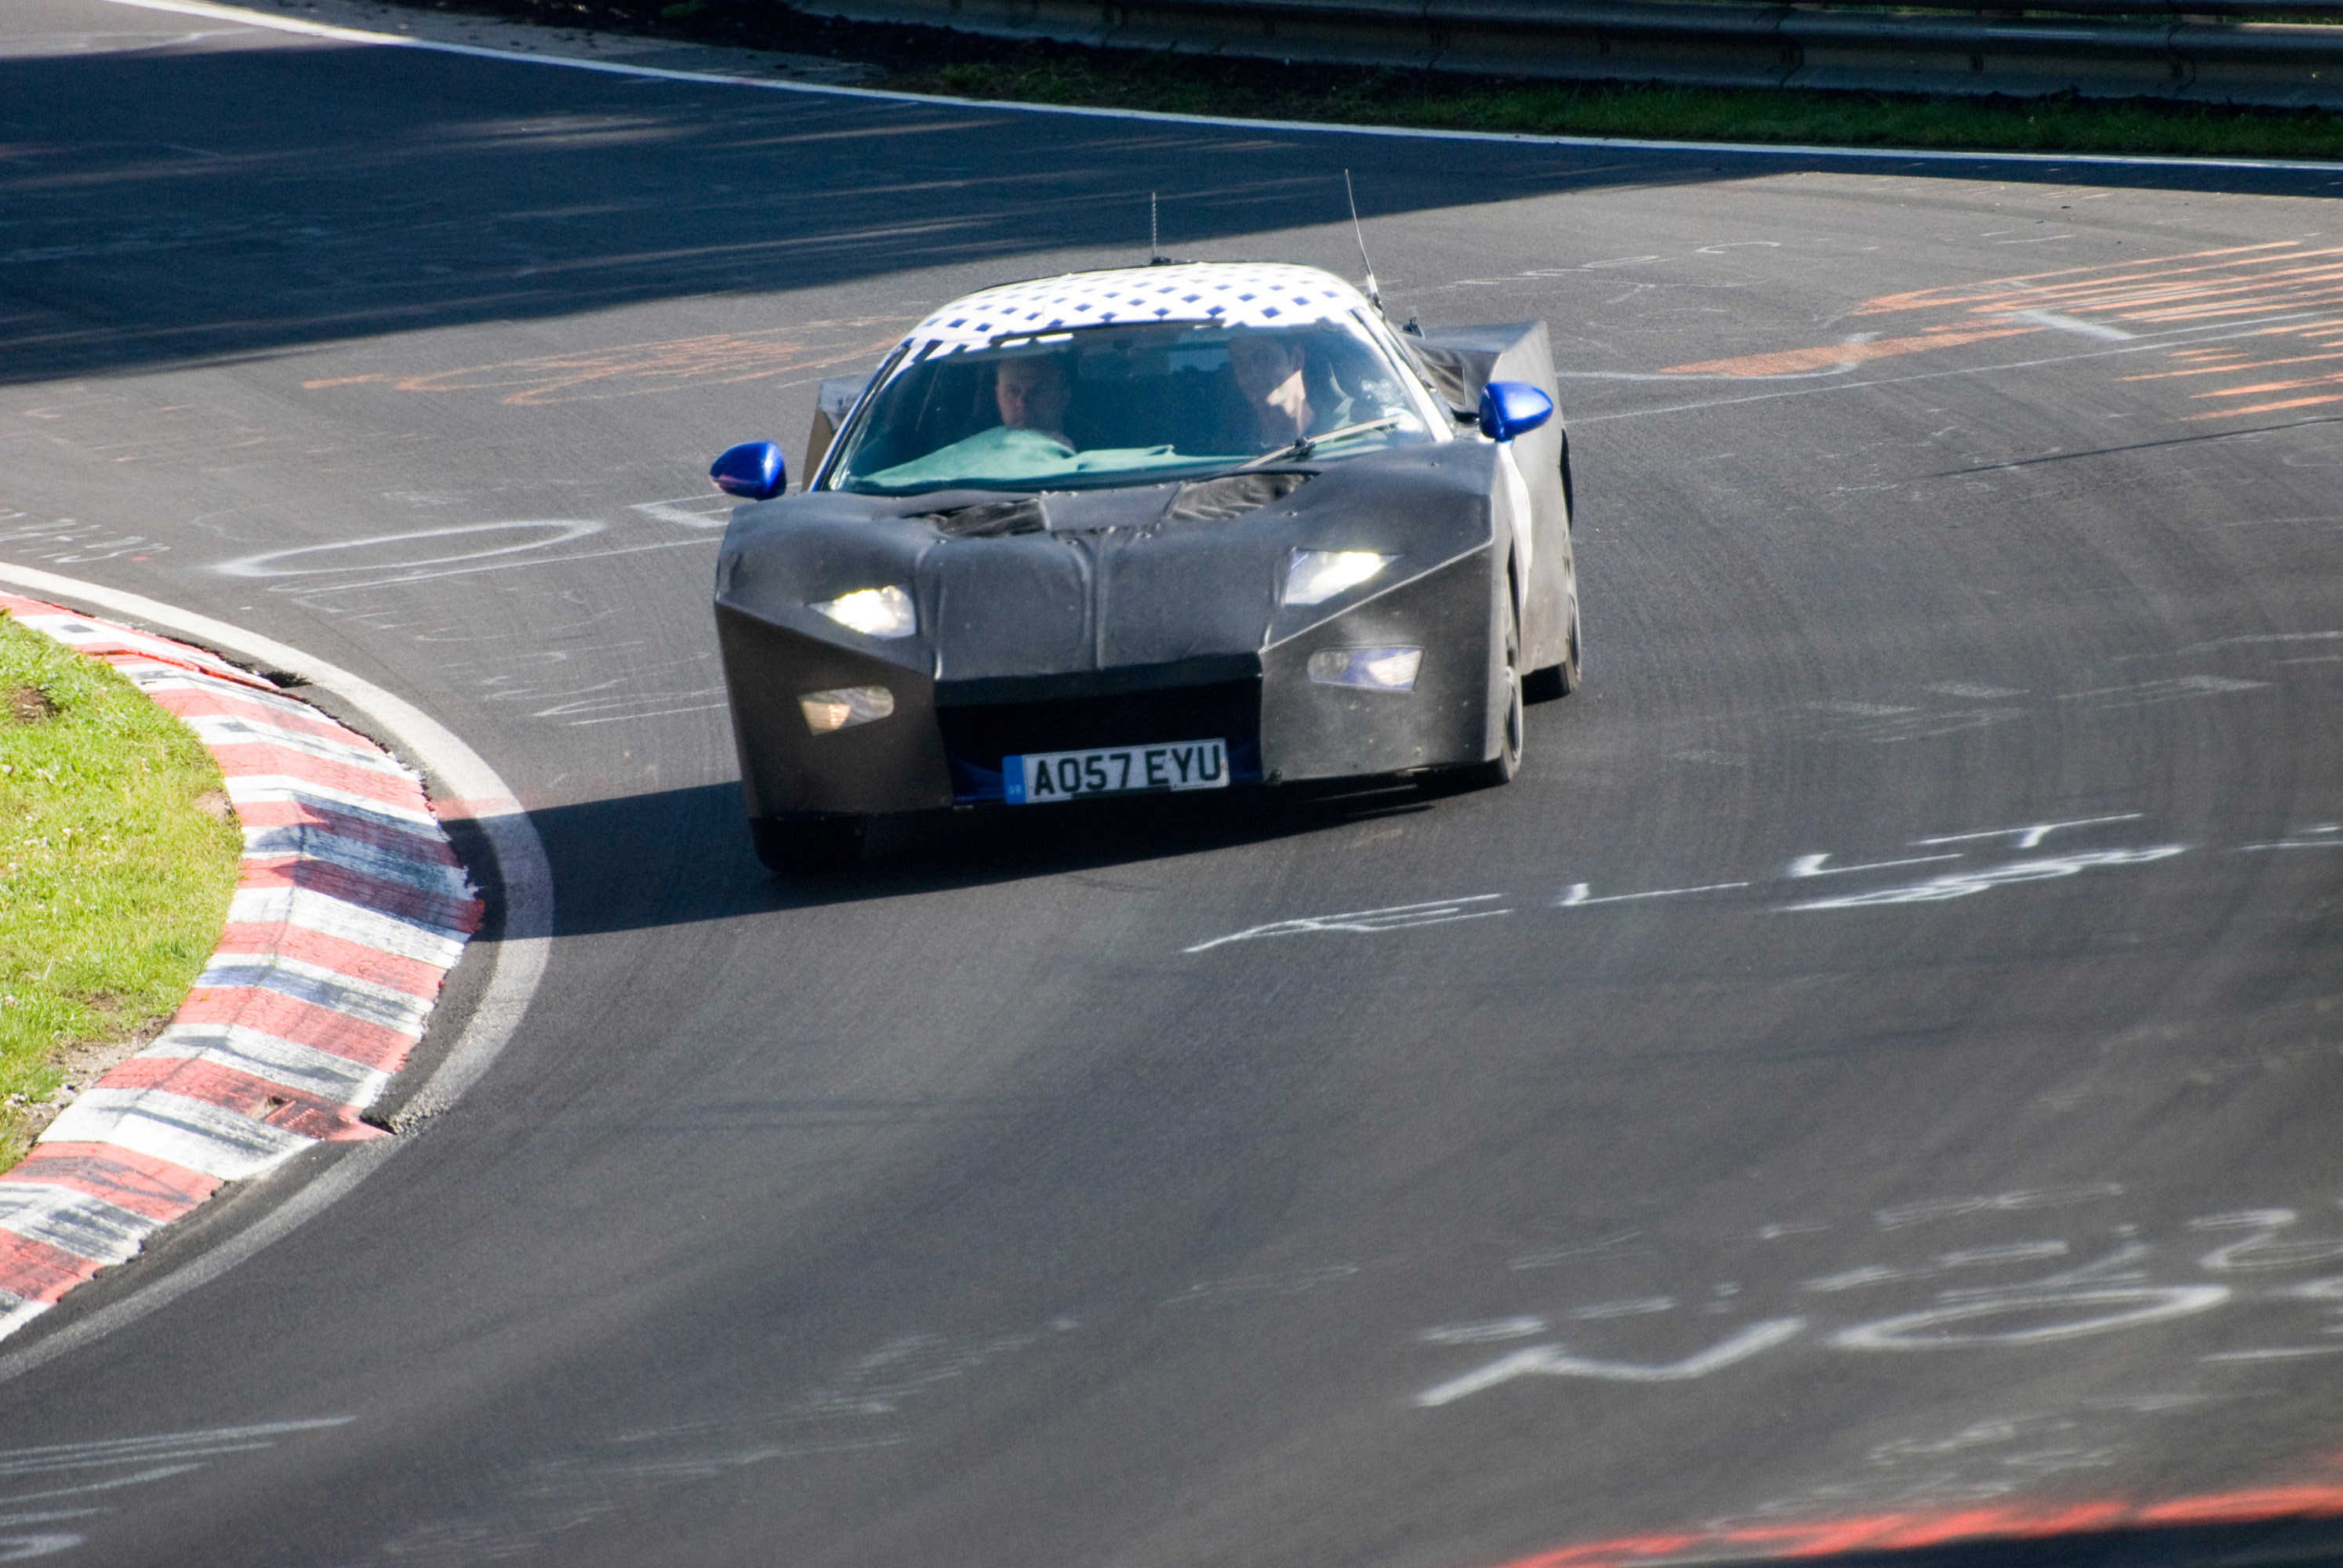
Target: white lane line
x=1577, y=897
x=1157, y=117
x=474, y=791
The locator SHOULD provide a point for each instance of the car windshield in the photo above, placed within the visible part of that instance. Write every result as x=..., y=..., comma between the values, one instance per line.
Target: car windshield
x=1110, y=405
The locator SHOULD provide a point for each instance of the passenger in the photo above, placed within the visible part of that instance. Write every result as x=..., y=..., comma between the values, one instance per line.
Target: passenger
x=1268, y=372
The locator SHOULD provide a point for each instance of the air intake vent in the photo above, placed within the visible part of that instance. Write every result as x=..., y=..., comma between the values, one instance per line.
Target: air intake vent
x=1230, y=496
x=991, y=519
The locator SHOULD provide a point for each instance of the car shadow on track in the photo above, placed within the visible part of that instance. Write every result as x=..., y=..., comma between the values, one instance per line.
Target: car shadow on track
x=678, y=857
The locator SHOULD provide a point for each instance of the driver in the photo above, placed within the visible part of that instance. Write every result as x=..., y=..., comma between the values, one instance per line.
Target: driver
x=1032, y=393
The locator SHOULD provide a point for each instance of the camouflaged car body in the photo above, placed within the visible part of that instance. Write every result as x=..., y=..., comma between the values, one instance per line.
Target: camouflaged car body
x=1150, y=612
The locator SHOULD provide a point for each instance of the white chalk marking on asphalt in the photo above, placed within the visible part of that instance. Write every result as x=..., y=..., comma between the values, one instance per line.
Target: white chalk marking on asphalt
x=1966, y=884
x=1482, y=1332
x=1636, y=1307
x=1397, y=918
x=2131, y=1306
x=1158, y=116
x=1552, y=1360
x=2058, y=323
x=472, y=789
x=1610, y=1244
x=270, y=563
x=162, y=1446
x=1811, y=865
x=2027, y=837
x=1577, y=899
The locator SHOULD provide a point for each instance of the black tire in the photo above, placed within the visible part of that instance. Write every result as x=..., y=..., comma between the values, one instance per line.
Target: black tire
x=807, y=846
x=1556, y=681
x=1569, y=491
x=1501, y=769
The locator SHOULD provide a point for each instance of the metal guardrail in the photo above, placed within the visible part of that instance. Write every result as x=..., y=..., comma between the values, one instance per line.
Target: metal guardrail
x=2284, y=63
x=2179, y=9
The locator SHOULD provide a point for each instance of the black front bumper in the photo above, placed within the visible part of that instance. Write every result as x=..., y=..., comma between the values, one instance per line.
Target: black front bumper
x=977, y=736
x=944, y=743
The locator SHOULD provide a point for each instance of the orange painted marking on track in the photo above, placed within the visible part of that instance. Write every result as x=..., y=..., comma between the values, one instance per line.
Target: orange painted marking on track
x=2202, y=290
x=635, y=369
x=1791, y=361
x=2268, y=1502
x=2225, y=369
x=1790, y=1542
x=2256, y=390
x=2037, y=283
x=2264, y=408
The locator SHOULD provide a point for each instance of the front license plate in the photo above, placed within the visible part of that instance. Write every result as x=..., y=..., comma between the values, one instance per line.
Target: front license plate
x=1045, y=776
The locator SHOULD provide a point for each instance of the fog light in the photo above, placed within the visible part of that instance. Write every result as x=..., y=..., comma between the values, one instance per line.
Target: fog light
x=1376, y=668
x=845, y=707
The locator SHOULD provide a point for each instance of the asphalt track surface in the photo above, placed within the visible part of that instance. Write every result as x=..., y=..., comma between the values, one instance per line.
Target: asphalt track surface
x=1782, y=1118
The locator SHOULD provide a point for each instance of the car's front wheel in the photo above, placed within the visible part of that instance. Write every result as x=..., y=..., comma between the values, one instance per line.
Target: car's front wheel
x=1501, y=769
x=1556, y=681
x=805, y=846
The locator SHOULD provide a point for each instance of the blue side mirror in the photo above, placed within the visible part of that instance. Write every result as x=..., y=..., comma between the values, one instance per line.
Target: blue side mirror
x=754, y=471
x=1511, y=409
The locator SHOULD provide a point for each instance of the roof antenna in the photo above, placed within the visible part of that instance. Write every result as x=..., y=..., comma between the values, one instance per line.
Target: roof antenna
x=1154, y=235
x=1374, y=295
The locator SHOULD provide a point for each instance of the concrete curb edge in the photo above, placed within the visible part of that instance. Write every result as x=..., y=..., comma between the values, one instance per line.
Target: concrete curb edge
x=349, y=911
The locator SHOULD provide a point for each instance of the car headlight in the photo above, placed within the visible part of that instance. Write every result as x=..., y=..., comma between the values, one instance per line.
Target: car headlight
x=1375, y=668
x=873, y=612
x=1317, y=576
x=845, y=707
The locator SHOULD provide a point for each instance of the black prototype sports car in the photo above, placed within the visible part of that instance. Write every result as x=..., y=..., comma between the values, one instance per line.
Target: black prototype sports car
x=1164, y=528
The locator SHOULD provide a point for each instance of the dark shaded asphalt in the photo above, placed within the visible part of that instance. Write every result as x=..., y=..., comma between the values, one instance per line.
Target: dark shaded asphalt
x=956, y=1209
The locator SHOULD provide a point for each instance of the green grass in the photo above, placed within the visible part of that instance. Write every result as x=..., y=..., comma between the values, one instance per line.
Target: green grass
x=962, y=65
x=116, y=856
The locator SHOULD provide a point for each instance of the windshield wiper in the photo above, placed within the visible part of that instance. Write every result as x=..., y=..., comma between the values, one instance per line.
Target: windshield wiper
x=1309, y=444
